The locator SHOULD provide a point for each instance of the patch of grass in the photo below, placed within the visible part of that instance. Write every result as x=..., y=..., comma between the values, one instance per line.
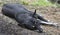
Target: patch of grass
x=43, y=3
x=37, y=2
x=25, y=2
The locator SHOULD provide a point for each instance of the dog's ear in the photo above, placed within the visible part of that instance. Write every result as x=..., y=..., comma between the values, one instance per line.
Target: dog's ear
x=34, y=13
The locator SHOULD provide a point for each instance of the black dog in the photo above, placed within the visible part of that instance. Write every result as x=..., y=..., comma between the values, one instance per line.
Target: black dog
x=25, y=18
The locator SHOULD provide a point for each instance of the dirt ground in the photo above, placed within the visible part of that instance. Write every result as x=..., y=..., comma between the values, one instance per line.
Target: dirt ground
x=9, y=26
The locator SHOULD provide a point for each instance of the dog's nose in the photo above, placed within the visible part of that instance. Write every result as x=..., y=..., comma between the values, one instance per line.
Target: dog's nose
x=40, y=31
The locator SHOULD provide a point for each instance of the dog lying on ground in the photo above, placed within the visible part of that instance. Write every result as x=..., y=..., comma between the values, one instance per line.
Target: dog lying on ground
x=25, y=18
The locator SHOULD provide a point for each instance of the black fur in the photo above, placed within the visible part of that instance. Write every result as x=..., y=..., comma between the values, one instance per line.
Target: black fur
x=23, y=16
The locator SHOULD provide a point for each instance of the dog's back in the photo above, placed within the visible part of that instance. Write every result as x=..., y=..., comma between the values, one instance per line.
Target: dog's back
x=12, y=9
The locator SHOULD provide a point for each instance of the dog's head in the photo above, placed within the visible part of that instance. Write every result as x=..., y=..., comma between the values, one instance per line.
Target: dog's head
x=30, y=22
